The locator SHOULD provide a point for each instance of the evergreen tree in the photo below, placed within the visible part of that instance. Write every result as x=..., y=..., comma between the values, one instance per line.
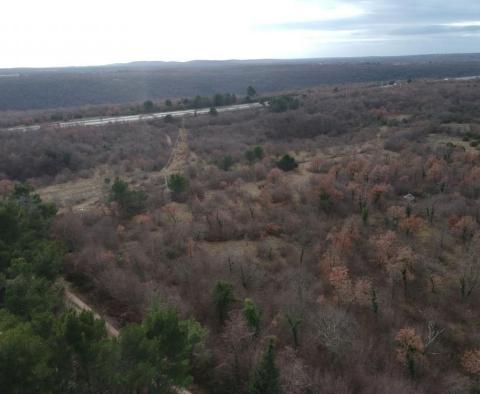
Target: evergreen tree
x=254, y=154
x=251, y=92
x=218, y=100
x=258, y=152
x=131, y=202
x=250, y=156
x=177, y=184
x=226, y=163
x=156, y=354
x=148, y=106
x=45, y=350
x=223, y=298
x=287, y=163
x=252, y=314
x=266, y=379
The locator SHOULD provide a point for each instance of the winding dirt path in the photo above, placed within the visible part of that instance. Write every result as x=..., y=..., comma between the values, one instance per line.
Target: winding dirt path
x=78, y=304
x=176, y=163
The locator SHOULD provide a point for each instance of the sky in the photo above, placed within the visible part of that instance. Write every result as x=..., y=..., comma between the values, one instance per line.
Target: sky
x=45, y=33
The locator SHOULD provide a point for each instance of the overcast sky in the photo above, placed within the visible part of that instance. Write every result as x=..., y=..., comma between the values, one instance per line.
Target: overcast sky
x=70, y=32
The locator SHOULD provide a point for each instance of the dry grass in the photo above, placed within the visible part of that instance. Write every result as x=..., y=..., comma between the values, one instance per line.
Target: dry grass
x=85, y=194
x=78, y=195
x=442, y=140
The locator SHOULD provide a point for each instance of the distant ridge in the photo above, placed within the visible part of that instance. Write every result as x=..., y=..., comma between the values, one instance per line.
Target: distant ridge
x=49, y=88
x=152, y=64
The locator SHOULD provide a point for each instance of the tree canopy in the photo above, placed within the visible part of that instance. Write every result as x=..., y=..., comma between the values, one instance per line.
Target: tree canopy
x=48, y=348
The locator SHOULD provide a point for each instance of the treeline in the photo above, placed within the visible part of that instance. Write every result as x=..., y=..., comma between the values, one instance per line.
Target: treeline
x=217, y=100
x=63, y=89
x=14, y=118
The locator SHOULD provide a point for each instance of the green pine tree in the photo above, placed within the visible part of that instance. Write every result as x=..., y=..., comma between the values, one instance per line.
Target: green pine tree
x=252, y=314
x=223, y=298
x=266, y=379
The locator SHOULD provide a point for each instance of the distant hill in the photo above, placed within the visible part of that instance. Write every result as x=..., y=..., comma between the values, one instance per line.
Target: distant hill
x=22, y=89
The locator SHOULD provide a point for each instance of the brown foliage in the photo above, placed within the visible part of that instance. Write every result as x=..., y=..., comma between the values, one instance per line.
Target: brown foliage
x=471, y=361
x=409, y=344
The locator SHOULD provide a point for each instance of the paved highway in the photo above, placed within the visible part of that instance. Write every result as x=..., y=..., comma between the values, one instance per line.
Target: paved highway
x=132, y=118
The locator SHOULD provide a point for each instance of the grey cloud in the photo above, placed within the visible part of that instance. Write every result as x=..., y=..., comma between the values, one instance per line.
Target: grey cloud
x=435, y=29
x=400, y=17
x=394, y=27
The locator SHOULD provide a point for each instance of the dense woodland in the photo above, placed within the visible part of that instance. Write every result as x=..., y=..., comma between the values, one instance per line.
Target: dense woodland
x=27, y=89
x=330, y=247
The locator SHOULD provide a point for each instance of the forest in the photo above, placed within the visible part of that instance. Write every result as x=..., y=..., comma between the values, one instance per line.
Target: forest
x=326, y=243
x=32, y=89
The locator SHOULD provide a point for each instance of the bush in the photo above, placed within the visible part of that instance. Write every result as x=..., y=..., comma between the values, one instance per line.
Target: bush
x=254, y=154
x=148, y=106
x=131, y=202
x=226, y=163
x=250, y=156
x=177, y=184
x=287, y=163
x=223, y=298
x=283, y=103
x=252, y=314
x=258, y=152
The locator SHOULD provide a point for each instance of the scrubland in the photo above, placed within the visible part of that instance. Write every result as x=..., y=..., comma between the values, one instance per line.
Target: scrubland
x=363, y=286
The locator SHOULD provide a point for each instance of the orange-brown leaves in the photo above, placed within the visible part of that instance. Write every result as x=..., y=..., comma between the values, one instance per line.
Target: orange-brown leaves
x=393, y=257
x=363, y=292
x=315, y=165
x=412, y=224
x=340, y=281
x=409, y=345
x=378, y=192
x=346, y=290
x=6, y=187
x=463, y=227
x=385, y=247
x=343, y=240
x=471, y=361
x=435, y=169
x=395, y=213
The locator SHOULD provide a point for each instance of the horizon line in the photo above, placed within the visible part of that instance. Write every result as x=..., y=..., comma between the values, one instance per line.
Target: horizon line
x=183, y=62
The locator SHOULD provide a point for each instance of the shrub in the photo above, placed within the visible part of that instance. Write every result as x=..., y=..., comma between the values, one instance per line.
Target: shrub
x=226, y=163
x=177, y=184
x=131, y=202
x=223, y=299
x=287, y=163
x=148, y=106
x=252, y=314
x=258, y=152
x=283, y=103
x=250, y=156
x=254, y=154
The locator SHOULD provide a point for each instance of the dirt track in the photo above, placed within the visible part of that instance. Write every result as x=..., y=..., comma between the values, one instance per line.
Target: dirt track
x=84, y=194
x=176, y=163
